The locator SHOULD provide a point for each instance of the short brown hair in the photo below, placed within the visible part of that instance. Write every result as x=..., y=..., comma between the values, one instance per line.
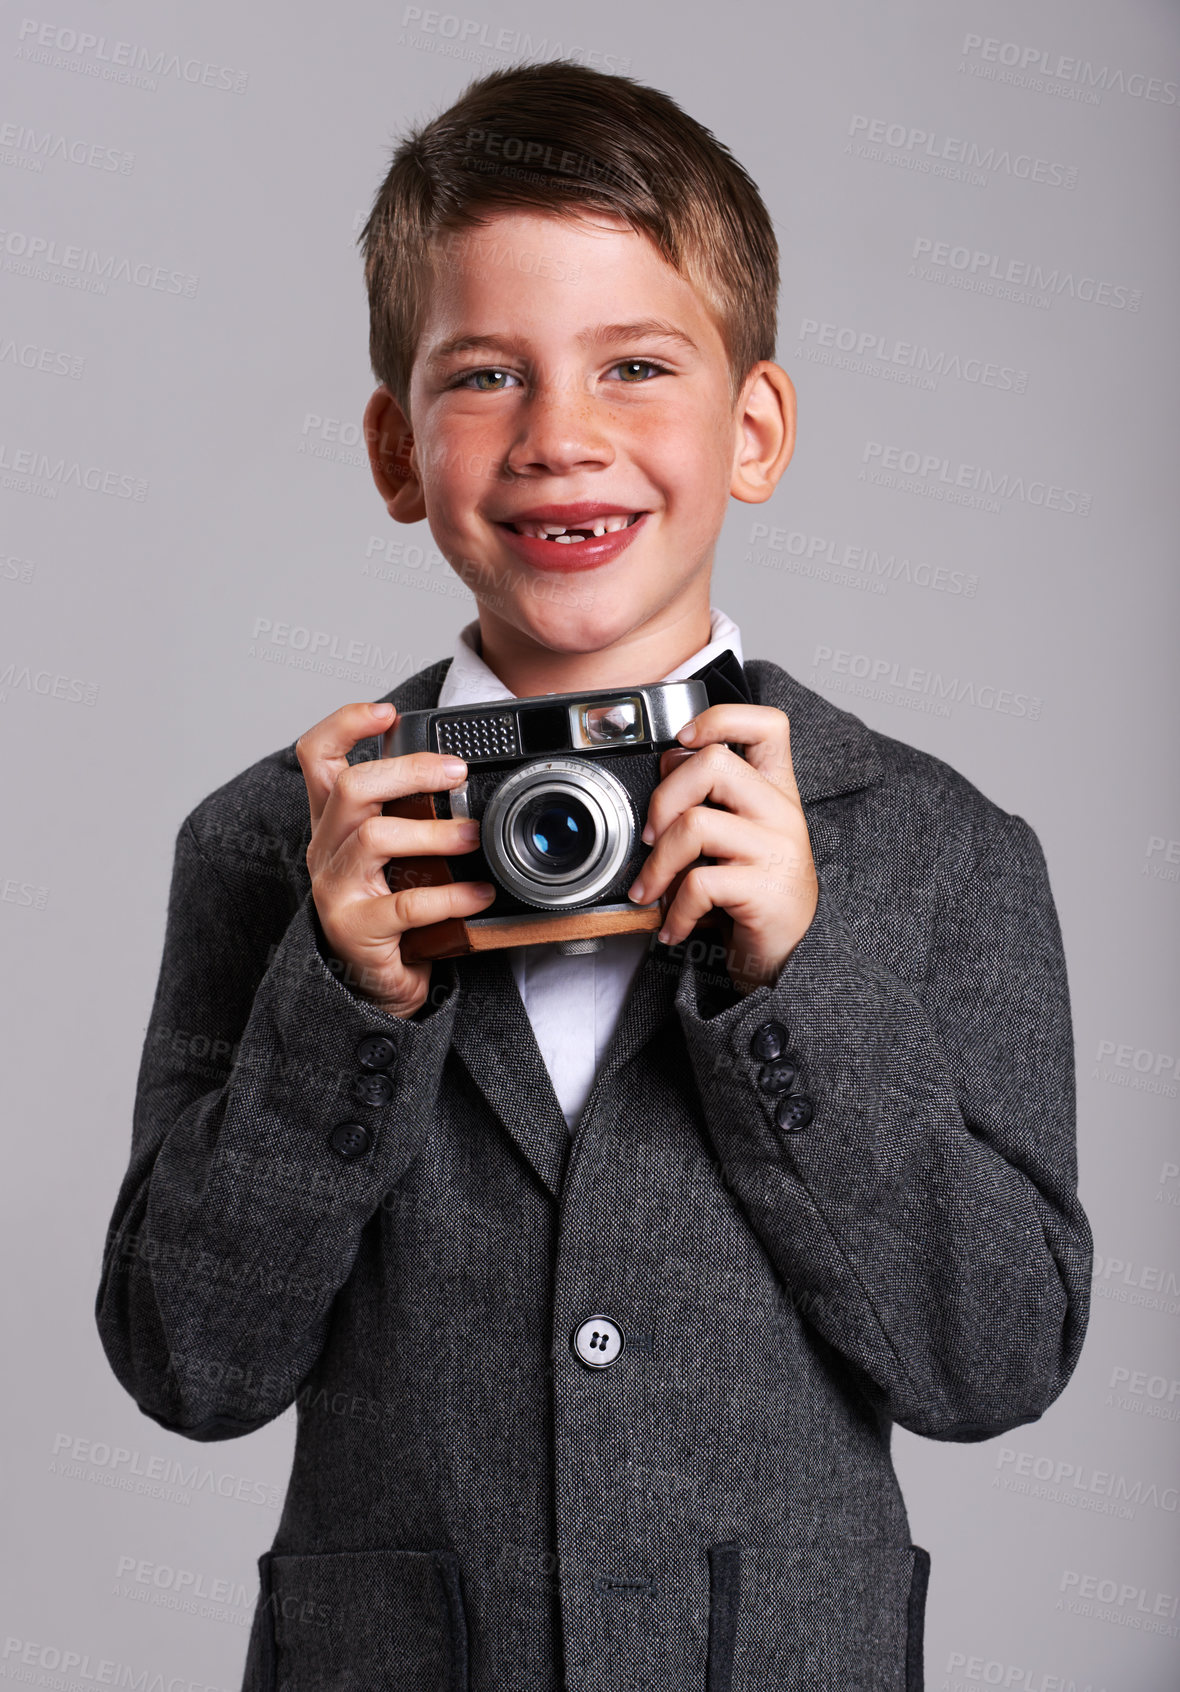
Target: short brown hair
x=560, y=137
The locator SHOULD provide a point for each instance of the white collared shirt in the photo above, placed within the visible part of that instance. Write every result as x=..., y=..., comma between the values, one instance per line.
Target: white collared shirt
x=573, y=1002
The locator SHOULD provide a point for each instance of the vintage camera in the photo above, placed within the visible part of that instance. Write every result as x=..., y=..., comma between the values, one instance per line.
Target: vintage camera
x=560, y=785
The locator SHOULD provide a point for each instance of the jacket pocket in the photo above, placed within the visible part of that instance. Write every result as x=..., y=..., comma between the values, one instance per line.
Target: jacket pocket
x=724, y=1599
x=829, y=1613
x=343, y=1621
x=916, y=1621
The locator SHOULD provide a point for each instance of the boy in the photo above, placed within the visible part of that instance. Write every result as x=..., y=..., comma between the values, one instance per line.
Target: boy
x=598, y=1317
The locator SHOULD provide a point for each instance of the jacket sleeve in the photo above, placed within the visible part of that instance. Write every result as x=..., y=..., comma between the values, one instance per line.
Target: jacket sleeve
x=925, y=1220
x=239, y=1219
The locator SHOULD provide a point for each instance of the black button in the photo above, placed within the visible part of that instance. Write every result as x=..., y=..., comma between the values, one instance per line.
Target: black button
x=794, y=1112
x=769, y=1042
x=350, y=1139
x=376, y=1051
x=372, y=1089
x=779, y=1076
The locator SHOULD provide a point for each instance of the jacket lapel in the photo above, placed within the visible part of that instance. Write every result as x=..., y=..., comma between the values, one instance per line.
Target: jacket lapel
x=495, y=1039
x=832, y=752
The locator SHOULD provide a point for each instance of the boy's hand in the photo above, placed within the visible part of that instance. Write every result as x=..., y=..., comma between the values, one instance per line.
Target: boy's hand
x=763, y=875
x=351, y=842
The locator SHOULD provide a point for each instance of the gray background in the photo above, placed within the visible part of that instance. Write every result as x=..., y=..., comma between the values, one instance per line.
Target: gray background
x=157, y=638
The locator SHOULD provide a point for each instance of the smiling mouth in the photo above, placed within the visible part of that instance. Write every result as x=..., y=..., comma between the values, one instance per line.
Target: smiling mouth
x=565, y=535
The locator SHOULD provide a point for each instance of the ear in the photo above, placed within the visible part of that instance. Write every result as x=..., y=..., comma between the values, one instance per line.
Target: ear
x=764, y=424
x=390, y=443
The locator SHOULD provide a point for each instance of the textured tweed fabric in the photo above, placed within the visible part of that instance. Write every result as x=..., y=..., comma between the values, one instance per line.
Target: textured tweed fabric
x=473, y=1509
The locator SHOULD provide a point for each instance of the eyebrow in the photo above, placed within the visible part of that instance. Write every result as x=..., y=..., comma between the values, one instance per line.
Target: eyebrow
x=644, y=329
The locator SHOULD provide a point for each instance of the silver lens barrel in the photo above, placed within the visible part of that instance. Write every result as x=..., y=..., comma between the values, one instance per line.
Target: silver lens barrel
x=599, y=811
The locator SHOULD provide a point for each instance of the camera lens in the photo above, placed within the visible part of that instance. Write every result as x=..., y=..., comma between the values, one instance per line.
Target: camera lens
x=557, y=832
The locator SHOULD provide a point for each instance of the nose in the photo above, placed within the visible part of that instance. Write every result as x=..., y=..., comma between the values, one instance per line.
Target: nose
x=560, y=429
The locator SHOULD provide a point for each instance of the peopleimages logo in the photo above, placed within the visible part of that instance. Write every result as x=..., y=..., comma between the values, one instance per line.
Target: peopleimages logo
x=41, y=256
x=29, y=148
x=926, y=150
x=825, y=558
x=184, y=1585
x=80, y=50
x=865, y=350
x=1152, y=1072
x=472, y=38
x=990, y=1671
x=935, y=477
x=47, y=360
x=102, y=1671
x=27, y=471
x=840, y=670
x=1088, y=80
x=986, y=272
x=1124, y=1595
x=1059, y=1476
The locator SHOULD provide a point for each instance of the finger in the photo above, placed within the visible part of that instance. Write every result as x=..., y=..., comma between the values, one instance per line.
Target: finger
x=723, y=776
x=323, y=750
x=702, y=832
x=725, y=888
x=360, y=790
x=362, y=856
x=671, y=757
x=762, y=731
x=383, y=917
x=704, y=889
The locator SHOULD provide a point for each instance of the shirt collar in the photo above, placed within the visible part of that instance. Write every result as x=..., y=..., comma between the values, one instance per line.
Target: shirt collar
x=470, y=681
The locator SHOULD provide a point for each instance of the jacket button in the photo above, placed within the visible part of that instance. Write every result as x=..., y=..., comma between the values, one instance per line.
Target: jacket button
x=372, y=1088
x=376, y=1051
x=779, y=1076
x=350, y=1139
x=769, y=1042
x=597, y=1342
x=794, y=1112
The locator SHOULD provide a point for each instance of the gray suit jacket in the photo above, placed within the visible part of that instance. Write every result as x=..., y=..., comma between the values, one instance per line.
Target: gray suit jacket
x=473, y=1507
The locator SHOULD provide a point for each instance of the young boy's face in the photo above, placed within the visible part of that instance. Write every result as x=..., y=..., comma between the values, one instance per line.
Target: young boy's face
x=566, y=374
